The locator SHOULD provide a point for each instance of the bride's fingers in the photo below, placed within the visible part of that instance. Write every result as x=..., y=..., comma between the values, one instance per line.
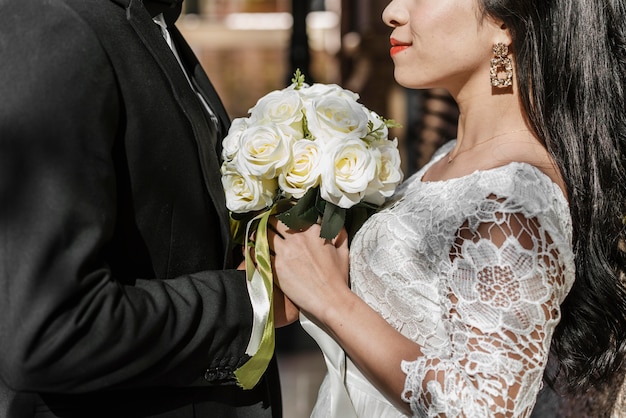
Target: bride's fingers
x=272, y=233
x=272, y=228
x=341, y=239
x=279, y=227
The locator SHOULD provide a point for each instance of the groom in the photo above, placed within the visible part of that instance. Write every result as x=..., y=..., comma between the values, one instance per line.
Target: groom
x=118, y=296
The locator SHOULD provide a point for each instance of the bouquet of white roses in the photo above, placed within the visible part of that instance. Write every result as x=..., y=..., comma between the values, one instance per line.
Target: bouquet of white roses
x=307, y=154
x=314, y=144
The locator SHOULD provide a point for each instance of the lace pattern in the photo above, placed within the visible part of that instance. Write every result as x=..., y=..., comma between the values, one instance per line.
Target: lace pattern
x=478, y=285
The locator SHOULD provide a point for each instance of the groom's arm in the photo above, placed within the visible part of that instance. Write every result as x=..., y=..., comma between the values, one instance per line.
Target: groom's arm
x=67, y=323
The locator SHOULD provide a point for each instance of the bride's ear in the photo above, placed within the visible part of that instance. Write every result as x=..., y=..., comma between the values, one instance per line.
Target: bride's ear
x=502, y=34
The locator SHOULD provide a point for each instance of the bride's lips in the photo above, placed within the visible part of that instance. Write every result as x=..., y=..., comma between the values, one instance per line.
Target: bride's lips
x=398, y=46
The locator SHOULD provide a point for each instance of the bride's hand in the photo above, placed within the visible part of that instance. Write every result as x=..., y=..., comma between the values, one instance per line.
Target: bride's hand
x=310, y=270
x=285, y=312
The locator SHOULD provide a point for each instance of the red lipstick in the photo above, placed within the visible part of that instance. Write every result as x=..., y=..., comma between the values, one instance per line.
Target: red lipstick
x=398, y=46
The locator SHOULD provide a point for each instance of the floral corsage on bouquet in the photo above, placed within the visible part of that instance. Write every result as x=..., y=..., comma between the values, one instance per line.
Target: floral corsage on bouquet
x=306, y=154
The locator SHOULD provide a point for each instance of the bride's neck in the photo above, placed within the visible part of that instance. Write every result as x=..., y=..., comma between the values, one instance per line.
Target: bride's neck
x=488, y=119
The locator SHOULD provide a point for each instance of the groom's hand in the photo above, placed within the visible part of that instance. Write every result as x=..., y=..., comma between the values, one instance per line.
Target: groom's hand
x=285, y=312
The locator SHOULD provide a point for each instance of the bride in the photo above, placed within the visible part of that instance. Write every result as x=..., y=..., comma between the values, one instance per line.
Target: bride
x=504, y=248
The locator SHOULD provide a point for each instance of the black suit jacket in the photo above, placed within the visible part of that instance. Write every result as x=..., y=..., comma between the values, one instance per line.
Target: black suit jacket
x=115, y=294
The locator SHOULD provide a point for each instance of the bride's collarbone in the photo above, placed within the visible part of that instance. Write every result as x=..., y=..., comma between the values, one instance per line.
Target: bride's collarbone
x=466, y=163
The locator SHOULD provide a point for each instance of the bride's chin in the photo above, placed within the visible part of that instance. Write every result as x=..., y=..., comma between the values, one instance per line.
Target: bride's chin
x=409, y=80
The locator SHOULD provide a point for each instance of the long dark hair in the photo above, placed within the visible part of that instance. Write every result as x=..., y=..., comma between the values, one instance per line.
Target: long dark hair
x=570, y=59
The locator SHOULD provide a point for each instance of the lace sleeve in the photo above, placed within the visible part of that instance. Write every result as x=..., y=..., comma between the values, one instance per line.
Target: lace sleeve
x=503, y=292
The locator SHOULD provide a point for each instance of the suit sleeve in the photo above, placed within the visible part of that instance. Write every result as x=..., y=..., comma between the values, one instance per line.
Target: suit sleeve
x=67, y=325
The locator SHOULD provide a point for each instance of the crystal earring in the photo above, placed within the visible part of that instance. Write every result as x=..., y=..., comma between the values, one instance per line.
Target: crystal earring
x=502, y=64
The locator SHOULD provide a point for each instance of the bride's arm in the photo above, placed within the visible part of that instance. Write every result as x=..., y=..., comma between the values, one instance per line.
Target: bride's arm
x=313, y=272
x=505, y=287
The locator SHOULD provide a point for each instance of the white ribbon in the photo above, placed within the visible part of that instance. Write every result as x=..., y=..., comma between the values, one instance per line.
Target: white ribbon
x=335, y=358
x=260, y=309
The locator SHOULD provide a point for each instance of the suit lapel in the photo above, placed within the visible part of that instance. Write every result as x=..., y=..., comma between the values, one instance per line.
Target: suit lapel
x=204, y=132
x=201, y=82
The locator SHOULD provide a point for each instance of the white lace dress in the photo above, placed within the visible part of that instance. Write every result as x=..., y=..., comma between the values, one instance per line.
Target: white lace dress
x=474, y=270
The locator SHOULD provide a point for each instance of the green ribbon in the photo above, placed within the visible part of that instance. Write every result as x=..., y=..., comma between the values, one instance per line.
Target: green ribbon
x=249, y=374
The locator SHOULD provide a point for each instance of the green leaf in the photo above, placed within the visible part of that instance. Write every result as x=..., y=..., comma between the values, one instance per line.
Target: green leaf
x=305, y=127
x=304, y=213
x=390, y=123
x=238, y=226
x=357, y=215
x=332, y=221
x=320, y=204
x=298, y=79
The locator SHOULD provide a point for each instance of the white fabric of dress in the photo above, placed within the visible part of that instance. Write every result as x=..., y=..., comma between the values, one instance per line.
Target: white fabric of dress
x=474, y=270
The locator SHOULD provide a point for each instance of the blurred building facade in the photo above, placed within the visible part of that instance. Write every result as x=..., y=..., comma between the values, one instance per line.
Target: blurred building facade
x=251, y=47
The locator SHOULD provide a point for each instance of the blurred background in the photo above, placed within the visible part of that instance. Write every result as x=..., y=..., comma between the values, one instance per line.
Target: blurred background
x=251, y=47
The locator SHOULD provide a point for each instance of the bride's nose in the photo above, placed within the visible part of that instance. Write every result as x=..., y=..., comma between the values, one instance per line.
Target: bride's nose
x=394, y=15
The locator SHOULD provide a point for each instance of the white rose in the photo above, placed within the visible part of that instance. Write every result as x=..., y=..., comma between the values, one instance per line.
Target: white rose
x=335, y=118
x=302, y=172
x=323, y=90
x=282, y=107
x=246, y=193
x=388, y=174
x=264, y=150
x=231, y=143
x=347, y=168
